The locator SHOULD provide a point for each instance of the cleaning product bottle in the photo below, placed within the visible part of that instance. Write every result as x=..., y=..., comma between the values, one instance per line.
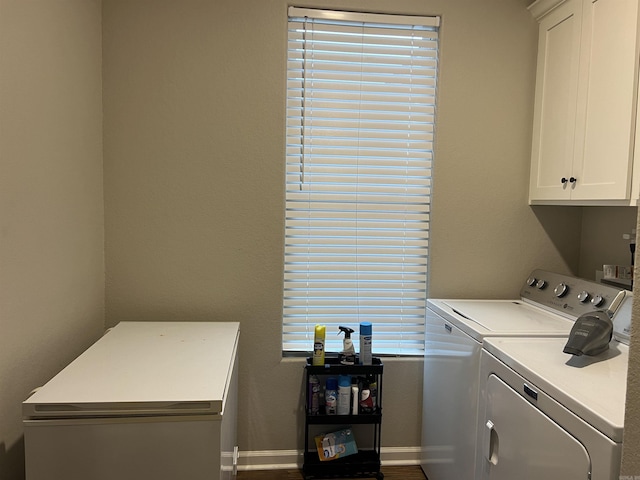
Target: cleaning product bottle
x=366, y=401
x=355, y=396
x=318, y=345
x=314, y=395
x=331, y=396
x=348, y=353
x=344, y=395
x=373, y=390
x=365, y=344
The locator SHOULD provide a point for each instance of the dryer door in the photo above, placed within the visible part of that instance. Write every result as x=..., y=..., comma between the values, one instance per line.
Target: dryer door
x=521, y=442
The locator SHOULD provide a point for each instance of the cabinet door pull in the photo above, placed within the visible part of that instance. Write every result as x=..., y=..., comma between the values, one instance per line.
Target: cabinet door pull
x=563, y=180
x=573, y=179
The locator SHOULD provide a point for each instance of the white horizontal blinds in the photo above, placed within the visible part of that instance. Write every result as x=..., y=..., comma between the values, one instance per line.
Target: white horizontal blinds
x=360, y=121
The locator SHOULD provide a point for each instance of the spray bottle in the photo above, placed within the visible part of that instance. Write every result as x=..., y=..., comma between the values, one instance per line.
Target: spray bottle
x=365, y=344
x=318, y=345
x=348, y=353
x=331, y=396
x=314, y=395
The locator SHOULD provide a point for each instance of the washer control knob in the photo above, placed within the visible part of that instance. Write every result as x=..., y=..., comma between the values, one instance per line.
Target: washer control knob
x=531, y=281
x=583, y=296
x=540, y=284
x=561, y=290
x=597, y=300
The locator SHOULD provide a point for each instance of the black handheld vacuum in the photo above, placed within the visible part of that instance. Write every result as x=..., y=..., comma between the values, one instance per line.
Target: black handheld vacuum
x=590, y=334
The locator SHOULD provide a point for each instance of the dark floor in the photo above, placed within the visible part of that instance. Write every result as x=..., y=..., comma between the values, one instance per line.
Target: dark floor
x=390, y=473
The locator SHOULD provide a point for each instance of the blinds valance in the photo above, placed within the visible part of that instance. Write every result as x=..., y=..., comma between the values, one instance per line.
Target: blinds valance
x=360, y=124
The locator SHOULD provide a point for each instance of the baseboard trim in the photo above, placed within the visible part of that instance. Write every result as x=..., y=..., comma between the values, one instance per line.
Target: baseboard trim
x=392, y=456
x=289, y=459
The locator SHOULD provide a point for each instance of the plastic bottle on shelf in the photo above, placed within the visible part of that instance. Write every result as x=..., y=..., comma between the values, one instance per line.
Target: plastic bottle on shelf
x=314, y=395
x=355, y=397
x=348, y=354
x=373, y=389
x=366, y=401
x=331, y=396
x=318, y=345
x=344, y=395
x=366, y=357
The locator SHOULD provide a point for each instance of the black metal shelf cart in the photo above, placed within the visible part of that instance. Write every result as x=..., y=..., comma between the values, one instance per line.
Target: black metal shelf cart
x=364, y=464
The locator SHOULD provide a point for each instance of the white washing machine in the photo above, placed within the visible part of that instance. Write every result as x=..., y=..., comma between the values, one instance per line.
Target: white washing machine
x=547, y=414
x=548, y=305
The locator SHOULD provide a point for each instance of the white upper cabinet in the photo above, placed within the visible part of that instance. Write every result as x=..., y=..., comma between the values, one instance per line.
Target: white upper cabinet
x=555, y=102
x=585, y=106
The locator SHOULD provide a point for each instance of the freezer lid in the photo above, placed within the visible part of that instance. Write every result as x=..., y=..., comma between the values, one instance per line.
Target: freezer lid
x=479, y=318
x=144, y=368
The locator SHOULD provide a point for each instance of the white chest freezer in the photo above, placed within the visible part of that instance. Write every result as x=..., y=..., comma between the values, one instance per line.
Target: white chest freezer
x=150, y=400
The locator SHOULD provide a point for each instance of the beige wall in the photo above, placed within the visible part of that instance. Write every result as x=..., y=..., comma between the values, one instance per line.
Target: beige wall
x=194, y=148
x=601, y=240
x=51, y=201
x=194, y=95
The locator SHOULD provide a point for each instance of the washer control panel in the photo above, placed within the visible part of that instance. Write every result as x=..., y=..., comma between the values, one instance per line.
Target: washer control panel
x=571, y=295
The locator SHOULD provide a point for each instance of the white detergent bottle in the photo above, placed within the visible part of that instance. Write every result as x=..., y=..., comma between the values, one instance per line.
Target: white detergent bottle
x=344, y=395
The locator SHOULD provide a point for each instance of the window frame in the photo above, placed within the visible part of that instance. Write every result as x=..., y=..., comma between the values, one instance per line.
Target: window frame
x=304, y=329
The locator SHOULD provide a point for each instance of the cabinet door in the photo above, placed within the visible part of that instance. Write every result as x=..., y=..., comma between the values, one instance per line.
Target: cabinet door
x=606, y=99
x=555, y=104
x=520, y=442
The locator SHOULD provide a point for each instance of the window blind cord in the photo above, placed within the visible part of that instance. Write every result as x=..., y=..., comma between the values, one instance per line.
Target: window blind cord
x=303, y=117
x=308, y=326
x=406, y=182
x=358, y=230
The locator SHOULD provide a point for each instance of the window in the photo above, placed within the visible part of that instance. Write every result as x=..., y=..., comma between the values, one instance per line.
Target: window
x=360, y=122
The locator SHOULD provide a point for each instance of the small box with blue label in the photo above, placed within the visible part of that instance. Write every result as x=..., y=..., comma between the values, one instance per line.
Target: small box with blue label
x=335, y=445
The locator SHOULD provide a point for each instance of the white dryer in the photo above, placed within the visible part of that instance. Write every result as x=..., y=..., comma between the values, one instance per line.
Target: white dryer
x=549, y=304
x=547, y=414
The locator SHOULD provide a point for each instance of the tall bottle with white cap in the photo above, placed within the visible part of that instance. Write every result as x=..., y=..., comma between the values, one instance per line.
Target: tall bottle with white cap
x=366, y=357
x=344, y=395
